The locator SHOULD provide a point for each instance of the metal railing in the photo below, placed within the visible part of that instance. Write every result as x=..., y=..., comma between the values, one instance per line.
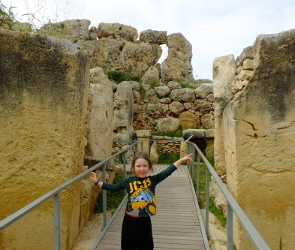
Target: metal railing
x=55, y=194
x=232, y=205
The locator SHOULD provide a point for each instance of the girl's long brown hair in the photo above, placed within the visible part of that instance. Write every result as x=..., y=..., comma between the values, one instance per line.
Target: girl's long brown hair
x=142, y=155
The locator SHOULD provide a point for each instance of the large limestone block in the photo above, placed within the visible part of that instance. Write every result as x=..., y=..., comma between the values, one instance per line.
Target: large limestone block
x=43, y=100
x=143, y=133
x=169, y=124
x=117, y=31
x=137, y=58
x=202, y=106
x=103, y=53
x=123, y=112
x=176, y=108
x=157, y=109
x=224, y=71
x=207, y=121
x=162, y=91
x=153, y=36
x=100, y=117
x=177, y=66
x=173, y=85
x=154, y=156
x=204, y=90
x=183, y=95
x=124, y=56
x=151, y=76
x=72, y=30
x=189, y=120
x=259, y=134
x=246, y=54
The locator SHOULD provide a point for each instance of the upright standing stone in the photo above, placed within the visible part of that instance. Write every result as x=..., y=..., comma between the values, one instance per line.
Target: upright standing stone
x=259, y=137
x=123, y=112
x=224, y=70
x=43, y=100
x=143, y=136
x=177, y=66
x=100, y=117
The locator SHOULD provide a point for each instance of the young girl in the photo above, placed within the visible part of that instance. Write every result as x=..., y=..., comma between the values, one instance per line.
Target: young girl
x=141, y=204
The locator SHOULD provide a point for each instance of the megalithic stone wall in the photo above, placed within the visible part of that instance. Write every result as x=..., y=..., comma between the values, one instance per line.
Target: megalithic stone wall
x=43, y=99
x=224, y=72
x=259, y=134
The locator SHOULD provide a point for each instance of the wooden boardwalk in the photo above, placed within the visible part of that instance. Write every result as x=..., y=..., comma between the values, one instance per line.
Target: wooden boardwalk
x=176, y=224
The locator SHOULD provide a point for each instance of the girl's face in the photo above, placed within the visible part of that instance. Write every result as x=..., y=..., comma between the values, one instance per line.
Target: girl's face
x=141, y=168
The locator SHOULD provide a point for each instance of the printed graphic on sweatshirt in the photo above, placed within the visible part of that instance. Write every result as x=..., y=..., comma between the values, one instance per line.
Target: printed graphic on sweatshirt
x=142, y=202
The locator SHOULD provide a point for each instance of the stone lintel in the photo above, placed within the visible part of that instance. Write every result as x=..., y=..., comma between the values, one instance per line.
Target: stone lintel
x=143, y=133
x=209, y=133
x=196, y=133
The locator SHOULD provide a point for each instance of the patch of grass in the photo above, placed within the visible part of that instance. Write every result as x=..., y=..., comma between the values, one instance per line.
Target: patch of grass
x=202, y=184
x=218, y=212
x=118, y=77
x=187, y=85
x=113, y=198
x=155, y=84
x=167, y=159
x=142, y=92
x=3, y=13
x=177, y=133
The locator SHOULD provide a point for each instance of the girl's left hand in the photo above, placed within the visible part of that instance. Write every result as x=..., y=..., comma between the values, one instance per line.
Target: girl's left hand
x=188, y=158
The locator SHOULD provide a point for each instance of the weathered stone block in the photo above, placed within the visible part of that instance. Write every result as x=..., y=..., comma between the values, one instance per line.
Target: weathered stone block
x=259, y=136
x=143, y=133
x=43, y=101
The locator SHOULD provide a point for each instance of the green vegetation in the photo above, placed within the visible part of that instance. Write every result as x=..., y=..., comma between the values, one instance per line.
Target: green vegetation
x=155, y=84
x=187, y=85
x=167, y=159
x=118, y=77
x=177, y=133
x=202, y=184
x=142, y=92
x=218, y=212
x=113, y=198
x=5, y=13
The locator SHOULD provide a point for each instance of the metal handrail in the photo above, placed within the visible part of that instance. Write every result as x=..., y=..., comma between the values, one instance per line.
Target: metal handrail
x=56, y=201
x=232, y=205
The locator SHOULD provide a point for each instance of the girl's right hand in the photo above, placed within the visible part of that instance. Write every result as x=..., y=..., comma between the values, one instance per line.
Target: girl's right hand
x=93, y=177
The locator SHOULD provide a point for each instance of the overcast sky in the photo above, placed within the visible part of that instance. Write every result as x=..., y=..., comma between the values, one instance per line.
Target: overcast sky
x=214, y=28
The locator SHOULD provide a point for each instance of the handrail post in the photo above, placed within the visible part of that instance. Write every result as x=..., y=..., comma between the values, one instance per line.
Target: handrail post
x=104, y=197
x=198, y=177
x=56, y=212
x=229, y=227
x=124, y=165
x=193, y=164
x=190, y=165
x=207, y=203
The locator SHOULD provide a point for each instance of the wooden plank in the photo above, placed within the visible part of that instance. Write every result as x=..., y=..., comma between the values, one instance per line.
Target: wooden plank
x=176, y=225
